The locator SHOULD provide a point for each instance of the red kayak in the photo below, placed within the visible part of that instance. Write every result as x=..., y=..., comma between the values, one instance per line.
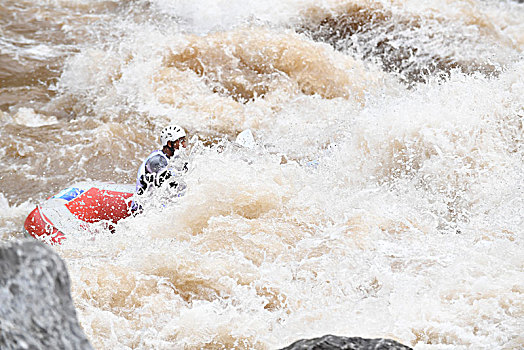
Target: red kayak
x=78, y=206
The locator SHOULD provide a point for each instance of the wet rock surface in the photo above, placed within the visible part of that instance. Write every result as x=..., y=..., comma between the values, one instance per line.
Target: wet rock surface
x=333, y=342
x=36, y=308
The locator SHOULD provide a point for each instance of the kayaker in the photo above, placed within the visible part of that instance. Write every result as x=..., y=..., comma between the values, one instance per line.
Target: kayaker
x=154, y=171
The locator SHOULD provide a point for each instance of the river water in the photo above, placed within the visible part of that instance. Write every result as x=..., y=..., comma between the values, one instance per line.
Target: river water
x=384, y=197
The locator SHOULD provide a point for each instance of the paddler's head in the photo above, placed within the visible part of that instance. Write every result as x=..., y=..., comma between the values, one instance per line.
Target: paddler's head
x=172, y=138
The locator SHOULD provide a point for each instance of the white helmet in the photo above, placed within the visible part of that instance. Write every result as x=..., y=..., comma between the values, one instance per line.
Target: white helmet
x=171, y=133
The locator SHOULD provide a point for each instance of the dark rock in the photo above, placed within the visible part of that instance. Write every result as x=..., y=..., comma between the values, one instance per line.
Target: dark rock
x=333, y=342
x=36, y=308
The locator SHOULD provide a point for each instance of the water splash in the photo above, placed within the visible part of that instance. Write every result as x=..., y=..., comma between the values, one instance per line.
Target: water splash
x=407, y=222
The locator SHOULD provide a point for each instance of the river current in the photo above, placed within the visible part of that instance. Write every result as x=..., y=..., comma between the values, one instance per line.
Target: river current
x=384, y=196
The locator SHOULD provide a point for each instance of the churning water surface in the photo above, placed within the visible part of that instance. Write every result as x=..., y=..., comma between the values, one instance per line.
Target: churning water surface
x=384, y=197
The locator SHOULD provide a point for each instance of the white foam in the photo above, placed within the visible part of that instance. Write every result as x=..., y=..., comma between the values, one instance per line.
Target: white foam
x=407, y=225
x=12, y=217
x=28, y=117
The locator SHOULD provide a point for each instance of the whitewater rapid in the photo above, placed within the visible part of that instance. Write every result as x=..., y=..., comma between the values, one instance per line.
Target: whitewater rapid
x=384, y=197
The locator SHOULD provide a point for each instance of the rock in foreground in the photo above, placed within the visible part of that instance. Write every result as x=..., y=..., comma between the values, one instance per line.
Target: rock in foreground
x=36, y=308
x=333, y=342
